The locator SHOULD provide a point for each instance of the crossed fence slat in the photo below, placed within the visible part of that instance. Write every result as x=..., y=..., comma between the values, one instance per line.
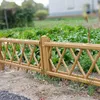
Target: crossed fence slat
x=74, y=64
x=6, y=47
x=80, y=67
x=73, y=71
x=96, y=66
x=20, y=54
x=93, y=65
x=32, y=54
x=14, y=50
x=20, y=60
x=62, y=60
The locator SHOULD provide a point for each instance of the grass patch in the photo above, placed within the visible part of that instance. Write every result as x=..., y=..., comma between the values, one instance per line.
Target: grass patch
x=49, y=79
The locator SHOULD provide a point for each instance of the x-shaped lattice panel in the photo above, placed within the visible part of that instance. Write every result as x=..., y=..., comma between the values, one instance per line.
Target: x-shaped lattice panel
x=25, y=54
x=58, y=61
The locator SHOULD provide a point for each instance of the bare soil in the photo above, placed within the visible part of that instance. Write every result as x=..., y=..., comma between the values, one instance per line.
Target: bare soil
x=25, y=84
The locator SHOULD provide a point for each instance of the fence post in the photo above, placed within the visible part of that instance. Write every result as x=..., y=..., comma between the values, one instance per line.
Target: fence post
x=44, y=54
x=1, y=64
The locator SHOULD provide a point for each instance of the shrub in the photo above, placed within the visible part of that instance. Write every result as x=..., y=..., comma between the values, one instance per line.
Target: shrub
x=41, y=14
x=24, y=17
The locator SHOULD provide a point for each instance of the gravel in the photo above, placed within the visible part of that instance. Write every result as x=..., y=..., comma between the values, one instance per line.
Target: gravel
x=5, y=95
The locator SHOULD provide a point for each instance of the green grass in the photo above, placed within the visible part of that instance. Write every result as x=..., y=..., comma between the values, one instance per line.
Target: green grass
x=72, y=21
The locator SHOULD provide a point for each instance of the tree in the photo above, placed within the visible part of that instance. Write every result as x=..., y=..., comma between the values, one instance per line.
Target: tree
x=28, y=4
x=0, y=14
x=8, y=8
x=41, y=14
x=28, y=8
x=2, y=24
x=8, y=5
x=24, y=17
x=20, y=16
x=16, y=16
x=39, y=6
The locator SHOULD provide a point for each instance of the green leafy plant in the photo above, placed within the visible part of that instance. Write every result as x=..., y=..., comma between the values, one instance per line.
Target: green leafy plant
x=41, y=14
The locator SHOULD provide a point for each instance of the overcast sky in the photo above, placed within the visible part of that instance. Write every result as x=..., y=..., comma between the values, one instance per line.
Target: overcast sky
x=45, y=2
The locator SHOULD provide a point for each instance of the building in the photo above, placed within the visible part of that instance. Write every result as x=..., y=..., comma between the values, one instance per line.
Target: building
x=70, y=7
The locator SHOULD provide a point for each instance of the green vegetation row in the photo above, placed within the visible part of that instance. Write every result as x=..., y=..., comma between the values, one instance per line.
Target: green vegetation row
x=60, y=34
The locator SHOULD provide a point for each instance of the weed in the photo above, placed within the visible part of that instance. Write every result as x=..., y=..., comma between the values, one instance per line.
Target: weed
x=49, y=79
x=91, y=90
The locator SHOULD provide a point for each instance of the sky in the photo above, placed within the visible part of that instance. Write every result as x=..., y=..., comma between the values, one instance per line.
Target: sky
x=45, y=2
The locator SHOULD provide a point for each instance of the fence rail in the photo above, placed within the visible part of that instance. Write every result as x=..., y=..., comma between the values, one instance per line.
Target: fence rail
x=64, y=60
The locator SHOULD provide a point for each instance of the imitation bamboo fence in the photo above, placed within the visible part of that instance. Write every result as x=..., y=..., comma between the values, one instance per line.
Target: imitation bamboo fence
x=38, y=56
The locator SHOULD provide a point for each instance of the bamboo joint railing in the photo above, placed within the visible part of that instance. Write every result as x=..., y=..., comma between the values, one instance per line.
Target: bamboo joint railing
x=57, y=59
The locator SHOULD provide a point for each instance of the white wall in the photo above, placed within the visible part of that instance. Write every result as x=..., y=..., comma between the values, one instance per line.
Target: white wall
x=96, y=4
x=63, y=7
x=56, y=6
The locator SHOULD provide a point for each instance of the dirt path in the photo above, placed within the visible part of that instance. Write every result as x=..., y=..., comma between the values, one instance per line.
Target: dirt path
x=26, y=85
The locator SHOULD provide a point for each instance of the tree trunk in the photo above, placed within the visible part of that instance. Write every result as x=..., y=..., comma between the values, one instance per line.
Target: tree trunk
x=6, y=20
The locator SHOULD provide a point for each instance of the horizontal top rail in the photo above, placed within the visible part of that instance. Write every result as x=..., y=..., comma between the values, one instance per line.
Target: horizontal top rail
x=21, y=41
x=73, y=45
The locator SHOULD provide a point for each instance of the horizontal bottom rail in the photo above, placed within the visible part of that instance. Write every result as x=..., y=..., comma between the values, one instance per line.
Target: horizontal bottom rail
x=60, y=75
x=80, y=76
x=21, y=66
x=74, y=78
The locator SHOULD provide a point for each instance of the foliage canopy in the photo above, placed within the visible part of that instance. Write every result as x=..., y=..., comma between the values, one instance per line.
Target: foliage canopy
x=18, y=16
